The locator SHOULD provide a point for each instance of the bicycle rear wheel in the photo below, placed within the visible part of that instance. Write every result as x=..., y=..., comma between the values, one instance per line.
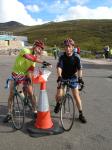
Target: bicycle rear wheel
x=18, y=112
x=67, y=112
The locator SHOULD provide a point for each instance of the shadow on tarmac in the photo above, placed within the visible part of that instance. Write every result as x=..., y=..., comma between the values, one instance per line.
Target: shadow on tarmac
x=97, y=66
x=29, y=123
x=5, y=127
x=28, y=127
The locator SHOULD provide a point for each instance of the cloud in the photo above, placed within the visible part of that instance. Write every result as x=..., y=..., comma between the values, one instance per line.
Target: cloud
x=13, y=10
x=33, y=8
x=83, y=12
x=80, y=2
x=58, y=10
x=77, y=2
x=57, y=6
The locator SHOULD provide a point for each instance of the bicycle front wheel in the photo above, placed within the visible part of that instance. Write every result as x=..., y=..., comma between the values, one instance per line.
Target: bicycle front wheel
x=67, y=112
x=18, y=112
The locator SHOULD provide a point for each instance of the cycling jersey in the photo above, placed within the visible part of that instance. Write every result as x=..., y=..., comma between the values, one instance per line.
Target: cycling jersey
x=69, y=65
x=22, y=64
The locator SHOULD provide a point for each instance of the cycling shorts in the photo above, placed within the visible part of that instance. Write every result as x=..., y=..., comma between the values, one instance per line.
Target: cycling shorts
x=73, y=84
x=21, y=79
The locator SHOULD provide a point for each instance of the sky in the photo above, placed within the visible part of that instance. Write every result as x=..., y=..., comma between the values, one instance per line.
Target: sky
x=37, y=12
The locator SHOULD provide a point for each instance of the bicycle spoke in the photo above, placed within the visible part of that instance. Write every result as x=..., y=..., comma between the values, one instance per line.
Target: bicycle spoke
x=67, y=112
x=18, y=112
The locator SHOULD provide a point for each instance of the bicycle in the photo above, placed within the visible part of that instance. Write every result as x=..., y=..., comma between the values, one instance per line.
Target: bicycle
x=21, y=101
x=67, y=106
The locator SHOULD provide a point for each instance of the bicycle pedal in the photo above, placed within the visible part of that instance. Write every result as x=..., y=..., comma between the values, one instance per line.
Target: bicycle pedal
x=17, y=111
x=67, y=112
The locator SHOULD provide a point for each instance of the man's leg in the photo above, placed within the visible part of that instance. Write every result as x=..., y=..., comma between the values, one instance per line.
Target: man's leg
x=58, y=96
x=10, y=102
x=32, y=97
x=31, y=93
x=77, y=98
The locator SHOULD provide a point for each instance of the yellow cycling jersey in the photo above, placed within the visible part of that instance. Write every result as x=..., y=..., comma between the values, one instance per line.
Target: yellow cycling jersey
x=22, y=64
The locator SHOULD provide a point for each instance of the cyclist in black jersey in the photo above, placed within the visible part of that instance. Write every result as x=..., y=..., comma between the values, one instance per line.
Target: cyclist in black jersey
x=69, y=67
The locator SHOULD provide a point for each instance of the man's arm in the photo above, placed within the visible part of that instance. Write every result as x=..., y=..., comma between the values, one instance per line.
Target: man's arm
x=59, y=71
x=79, y=73
x=79, y=66
x=32, y=58
x=80, y=80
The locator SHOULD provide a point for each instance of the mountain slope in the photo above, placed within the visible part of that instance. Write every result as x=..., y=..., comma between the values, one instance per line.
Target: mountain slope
x=88, y=34
x=12, y=26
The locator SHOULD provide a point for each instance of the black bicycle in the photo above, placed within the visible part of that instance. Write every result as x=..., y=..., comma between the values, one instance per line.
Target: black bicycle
x=67, y=108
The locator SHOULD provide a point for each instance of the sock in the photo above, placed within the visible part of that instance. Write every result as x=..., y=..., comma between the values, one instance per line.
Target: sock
x=9, y=113
x=80, y=112
x=35, y=111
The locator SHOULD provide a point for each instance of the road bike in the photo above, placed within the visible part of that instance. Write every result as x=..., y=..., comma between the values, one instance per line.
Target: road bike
x=67, y=106
x=21, y=101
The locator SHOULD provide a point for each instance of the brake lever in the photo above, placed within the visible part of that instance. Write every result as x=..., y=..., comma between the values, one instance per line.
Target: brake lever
x=82, y=88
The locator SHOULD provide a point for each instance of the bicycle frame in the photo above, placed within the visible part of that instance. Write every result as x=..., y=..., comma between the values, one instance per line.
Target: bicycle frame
x=65, y=84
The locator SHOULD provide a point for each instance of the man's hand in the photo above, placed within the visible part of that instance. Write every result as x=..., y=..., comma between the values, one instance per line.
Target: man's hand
x=80, y=80
x=59, y=79
x=46, y=64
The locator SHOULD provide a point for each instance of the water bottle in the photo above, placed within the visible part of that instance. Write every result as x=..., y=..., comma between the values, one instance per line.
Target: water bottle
x=22, y=94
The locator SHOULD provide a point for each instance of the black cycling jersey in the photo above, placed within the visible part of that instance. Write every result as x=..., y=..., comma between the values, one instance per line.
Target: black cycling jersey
x=69, y=65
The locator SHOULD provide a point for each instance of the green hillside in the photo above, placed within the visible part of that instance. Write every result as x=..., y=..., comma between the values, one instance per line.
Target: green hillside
x=88, y=34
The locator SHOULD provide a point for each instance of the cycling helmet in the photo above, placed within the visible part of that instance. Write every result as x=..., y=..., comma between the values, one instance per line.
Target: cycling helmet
x=39, y=44
x=68, y=42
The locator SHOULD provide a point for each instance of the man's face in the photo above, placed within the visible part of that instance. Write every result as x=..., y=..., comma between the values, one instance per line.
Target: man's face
x=37, y=50
x=69, y=50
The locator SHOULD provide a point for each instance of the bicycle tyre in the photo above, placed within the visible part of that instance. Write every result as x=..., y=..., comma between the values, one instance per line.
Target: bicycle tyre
x=18, y=112
x=67, y=112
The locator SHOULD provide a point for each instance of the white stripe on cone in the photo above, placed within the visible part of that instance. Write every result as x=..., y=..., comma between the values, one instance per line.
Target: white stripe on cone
x=43, y=104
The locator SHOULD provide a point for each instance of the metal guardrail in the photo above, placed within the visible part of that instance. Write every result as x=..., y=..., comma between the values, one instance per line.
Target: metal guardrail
x=97, y=54
x=85, y=52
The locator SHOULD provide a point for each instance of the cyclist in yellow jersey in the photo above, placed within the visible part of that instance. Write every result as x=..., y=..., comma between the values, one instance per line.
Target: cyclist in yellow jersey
x=23, y=70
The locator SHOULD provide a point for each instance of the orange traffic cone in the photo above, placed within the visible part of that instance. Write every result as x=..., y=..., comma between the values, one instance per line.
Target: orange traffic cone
x=38, y=79
x=43, y=124
x=43, y=120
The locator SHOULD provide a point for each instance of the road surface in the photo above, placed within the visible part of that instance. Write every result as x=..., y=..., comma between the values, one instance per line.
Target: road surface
x=97, y=106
